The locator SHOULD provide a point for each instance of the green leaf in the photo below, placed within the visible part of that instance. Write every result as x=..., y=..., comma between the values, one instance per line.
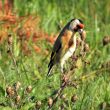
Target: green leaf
x=27, y=106
x=5, y=108
x=2, y=91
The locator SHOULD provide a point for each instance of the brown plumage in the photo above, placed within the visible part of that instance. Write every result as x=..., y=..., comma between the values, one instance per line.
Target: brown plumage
x=64, y=42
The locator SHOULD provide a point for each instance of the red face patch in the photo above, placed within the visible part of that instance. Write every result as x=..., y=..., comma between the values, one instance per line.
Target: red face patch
x=81, y=26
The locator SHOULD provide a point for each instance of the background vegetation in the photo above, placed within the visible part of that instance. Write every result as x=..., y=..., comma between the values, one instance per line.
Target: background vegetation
x=27, y=32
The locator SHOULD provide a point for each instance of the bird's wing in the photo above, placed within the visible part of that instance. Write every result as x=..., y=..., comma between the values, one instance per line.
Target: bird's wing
x=59, y=42
x=58, y=45
x=62, y=42
x=56, y=48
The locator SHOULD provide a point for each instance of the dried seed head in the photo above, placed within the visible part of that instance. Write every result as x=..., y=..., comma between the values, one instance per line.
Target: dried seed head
x=10, y=39
x=86, y=62
x=78, y=41
x=106, y=40
x=17, y=85
x=63, y=96
x=21, y=33
x=29, y=89
x=10, y=91
x=86, y=47
x=61, y=107
x=74, y=98
x=50, y=102
x=38, y=104
x=17, y=99
x=83, y=35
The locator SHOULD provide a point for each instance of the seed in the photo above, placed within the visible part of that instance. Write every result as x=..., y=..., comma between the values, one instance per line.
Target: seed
x=29, y=89
x=10, y=91
x=17, y=85
x=61, y=107
x=83, y=35
x=74, y=98
x=10, y=39
x=17, y=100
x=50, y=102
x=38, y=104
x=106, y=40
x=21, y=33
x=78, y=41
x=63, y=96
x=86, y=47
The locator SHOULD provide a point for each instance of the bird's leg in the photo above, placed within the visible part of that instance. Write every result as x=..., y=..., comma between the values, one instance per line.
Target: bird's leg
x=62, y=65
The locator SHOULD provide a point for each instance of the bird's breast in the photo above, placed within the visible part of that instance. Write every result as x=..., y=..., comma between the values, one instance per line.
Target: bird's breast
x=66, y=38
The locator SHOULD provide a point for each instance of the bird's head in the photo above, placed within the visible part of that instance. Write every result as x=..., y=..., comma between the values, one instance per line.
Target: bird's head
x=76, y=25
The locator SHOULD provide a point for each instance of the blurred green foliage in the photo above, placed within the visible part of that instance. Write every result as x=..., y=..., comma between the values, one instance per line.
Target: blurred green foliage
x=94, y=13
x=33, y=69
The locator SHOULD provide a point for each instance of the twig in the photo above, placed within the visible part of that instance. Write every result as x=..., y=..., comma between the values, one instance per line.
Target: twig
x=62, y=87
x=64, y=84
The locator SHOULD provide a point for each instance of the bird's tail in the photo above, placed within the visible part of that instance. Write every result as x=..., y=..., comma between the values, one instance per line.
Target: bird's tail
x=50, y=68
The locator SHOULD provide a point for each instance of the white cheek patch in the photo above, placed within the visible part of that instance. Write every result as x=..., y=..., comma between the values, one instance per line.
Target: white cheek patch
x=74, y=23
x=77, y=21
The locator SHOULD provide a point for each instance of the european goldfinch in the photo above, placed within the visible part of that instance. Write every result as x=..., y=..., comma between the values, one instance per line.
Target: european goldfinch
x=65, y=44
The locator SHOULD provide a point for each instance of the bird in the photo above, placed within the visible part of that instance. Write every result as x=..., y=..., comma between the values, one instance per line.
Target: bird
x=65, y=44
